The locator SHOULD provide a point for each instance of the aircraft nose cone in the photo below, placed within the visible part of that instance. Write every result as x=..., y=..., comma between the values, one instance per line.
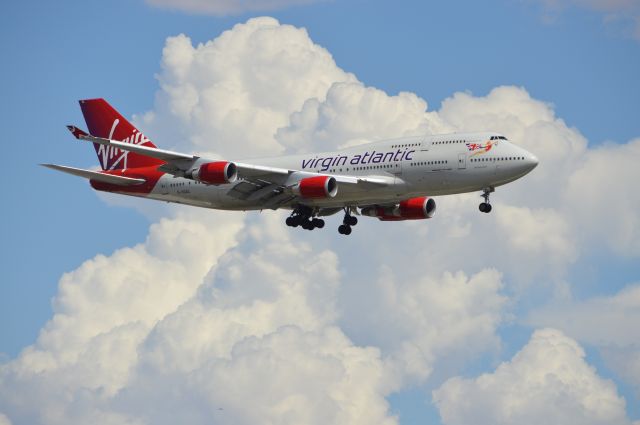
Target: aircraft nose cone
x=529, y=162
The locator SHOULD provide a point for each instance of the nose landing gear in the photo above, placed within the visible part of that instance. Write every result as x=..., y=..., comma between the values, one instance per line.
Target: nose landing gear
x=485, y=207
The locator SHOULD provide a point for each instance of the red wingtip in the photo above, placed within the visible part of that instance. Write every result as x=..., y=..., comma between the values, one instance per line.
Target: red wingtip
x=76, y=131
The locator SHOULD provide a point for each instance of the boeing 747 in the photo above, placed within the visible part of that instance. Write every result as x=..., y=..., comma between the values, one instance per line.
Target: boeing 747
x=392, y=180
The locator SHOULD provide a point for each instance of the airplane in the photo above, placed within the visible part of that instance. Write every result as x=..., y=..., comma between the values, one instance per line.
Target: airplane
x=391, y=180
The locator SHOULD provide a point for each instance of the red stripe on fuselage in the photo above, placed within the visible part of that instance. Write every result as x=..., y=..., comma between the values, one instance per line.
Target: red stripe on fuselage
x=151, y=175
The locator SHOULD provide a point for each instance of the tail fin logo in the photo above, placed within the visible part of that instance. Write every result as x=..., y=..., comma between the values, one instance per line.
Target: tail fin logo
x=111, y=157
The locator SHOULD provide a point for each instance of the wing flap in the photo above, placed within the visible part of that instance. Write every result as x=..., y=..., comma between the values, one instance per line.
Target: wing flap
x=370, y=182
x=95, y=175
x=254, y=171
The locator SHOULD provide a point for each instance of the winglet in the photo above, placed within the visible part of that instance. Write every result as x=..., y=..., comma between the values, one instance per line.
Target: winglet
x=76, y=131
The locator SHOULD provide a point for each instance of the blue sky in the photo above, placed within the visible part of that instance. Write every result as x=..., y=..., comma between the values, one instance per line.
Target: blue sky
x=55, y=53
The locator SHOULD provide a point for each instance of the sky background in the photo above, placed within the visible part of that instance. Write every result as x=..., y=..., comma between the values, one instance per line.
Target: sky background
x=573, y=65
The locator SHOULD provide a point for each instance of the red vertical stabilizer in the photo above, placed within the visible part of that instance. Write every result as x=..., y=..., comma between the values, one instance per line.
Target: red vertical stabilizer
x=104, y=121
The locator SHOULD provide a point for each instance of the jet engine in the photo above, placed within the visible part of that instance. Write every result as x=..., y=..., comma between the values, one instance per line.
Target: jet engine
x=410, y=209
x=316, y=187
x=219, y=172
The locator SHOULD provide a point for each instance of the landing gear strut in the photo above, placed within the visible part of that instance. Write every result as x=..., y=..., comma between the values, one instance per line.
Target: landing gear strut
x=347, y=222
x=485, y=207
x=303, y=216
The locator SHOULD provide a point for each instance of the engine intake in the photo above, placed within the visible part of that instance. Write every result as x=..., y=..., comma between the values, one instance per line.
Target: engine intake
x=316, y=187
x=410, y=209
x=219, y=172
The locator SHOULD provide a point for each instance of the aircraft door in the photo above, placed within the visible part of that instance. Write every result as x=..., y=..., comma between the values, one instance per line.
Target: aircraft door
x=425, y=144
x=462, y=161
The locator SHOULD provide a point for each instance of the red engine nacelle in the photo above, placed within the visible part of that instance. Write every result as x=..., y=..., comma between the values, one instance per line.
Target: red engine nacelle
x=317, y=187
x=219, y=172
x=410, y=209
x=417, y=208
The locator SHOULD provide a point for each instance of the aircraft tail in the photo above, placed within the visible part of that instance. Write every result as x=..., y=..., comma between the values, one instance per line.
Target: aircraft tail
x=104, y=121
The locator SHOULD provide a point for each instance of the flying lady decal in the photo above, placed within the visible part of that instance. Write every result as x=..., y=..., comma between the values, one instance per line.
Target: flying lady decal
x=481, y=148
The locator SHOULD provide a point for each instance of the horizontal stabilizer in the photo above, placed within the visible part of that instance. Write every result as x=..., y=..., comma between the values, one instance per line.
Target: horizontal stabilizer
x=77, y=133
x=161, y=154
x=96, y=175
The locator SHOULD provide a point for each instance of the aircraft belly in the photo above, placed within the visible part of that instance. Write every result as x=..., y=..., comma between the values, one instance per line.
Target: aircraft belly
x=184, y=191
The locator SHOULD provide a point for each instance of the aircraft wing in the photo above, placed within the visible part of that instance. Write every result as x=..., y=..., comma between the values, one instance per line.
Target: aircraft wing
x=257, y=182
x=96, y=175
x=274, y=173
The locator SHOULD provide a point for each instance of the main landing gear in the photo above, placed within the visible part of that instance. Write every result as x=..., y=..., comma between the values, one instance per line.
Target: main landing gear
x=303, y=217
x=347, y=222
x=485, y=207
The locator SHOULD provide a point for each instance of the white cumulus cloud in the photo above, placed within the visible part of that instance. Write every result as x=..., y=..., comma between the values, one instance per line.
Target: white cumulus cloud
x=532, y=231
x=599, y=320
x=548, y=381
x=602, y=191
x=4, y=420
x=231, y=94
x=418, y=322
x=247, y=334
x=608, y=322
x=353, y=113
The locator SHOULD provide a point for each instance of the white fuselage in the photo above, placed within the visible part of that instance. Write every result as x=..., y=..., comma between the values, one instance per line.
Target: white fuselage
x=415, y=166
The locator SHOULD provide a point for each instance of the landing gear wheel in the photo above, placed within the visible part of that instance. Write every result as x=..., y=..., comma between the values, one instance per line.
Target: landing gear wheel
x=303, y=216
x=348, y=219
x=484, y=207
x=344, y=229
